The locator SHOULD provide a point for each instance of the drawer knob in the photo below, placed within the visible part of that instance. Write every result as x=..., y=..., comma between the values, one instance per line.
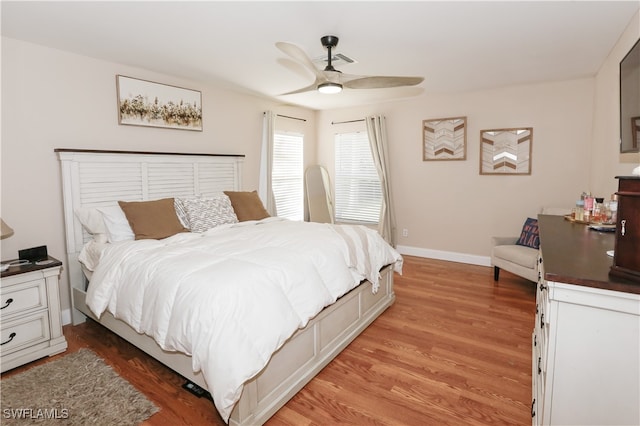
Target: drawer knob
x=11, y=336
x=9, y=301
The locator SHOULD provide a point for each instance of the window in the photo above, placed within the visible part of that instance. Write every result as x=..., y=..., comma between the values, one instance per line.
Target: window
x=287, y=175
x=358, y=196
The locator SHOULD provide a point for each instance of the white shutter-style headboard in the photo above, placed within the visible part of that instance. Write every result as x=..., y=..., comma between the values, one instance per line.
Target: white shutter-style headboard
x=93, y=178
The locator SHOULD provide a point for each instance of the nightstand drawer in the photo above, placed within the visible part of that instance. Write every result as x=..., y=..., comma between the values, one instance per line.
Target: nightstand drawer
x=23, y=297
x=24, y=331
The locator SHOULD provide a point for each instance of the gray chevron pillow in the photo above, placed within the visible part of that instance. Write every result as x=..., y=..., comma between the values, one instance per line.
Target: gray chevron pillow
x=206, y=213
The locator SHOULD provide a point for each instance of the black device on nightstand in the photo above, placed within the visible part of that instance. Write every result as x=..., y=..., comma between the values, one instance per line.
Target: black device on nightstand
x=33, y=254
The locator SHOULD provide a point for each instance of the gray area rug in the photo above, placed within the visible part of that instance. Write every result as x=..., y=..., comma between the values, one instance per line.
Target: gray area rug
x=77, y=389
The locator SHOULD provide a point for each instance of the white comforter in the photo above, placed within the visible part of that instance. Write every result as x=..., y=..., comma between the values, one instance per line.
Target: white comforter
x=230, y=297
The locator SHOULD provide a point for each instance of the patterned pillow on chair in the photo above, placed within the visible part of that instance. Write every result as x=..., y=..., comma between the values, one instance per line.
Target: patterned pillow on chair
x=529, y=235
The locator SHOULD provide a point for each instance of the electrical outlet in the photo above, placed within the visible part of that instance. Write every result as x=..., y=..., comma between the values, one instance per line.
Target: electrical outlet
x=405, y=232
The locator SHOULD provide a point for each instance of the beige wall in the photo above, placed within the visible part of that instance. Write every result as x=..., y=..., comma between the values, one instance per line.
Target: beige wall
x=607, y=162
x=448, y=208
x=54, y=99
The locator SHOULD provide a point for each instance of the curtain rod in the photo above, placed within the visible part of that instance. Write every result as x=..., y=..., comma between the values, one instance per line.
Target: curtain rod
x=344, y=122
x=292, y=118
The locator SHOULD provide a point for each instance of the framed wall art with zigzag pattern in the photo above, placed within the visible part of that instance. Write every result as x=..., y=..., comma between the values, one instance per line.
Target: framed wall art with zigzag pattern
x=444, y=139
x=506, y=151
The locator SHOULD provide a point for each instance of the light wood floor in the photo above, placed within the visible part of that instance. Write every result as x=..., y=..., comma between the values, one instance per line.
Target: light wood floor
x=454, y=349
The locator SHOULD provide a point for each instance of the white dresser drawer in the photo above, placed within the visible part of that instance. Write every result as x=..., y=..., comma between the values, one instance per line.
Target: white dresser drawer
x=30, y=320
x=22, y=298
x=24, y=331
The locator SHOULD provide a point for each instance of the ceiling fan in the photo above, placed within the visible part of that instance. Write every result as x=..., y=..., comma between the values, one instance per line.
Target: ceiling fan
x=329, y=80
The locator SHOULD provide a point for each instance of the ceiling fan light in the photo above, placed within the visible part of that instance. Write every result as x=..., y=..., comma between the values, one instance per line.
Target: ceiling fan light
x=329, y=88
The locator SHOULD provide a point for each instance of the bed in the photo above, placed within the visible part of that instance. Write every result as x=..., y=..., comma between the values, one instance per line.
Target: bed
x=100, y=179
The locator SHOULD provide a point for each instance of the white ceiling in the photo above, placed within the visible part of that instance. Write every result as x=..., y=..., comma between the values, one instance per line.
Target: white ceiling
x=455, y=45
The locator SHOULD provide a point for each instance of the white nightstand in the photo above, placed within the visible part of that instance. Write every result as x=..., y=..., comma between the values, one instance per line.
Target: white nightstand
x=30, y=318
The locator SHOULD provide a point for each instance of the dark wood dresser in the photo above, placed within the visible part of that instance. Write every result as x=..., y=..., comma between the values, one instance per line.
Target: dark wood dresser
x=626, y=260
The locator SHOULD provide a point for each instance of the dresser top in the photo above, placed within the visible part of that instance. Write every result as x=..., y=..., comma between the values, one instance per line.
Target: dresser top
x=575, y=254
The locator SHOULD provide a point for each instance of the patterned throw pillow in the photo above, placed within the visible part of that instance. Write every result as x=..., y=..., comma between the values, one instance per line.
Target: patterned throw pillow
x=178, y=205
x=529, y=235
x=206, y=213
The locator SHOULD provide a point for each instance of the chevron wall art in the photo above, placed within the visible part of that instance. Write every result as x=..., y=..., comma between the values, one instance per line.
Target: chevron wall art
x=444, y=139
x=506, y=151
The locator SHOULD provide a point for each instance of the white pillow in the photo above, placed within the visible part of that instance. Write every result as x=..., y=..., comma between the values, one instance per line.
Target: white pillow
x=118, y=228
x=91, y=220
x=206, y=213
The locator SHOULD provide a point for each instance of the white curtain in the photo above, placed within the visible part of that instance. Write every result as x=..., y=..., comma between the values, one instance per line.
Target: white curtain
x=265, y=191
x=377, y=131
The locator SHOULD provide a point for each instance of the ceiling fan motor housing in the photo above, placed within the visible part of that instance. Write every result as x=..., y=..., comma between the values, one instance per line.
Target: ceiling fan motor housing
x=329, y=41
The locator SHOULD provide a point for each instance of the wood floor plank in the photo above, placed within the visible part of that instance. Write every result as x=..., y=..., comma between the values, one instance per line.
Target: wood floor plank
x=454, y=349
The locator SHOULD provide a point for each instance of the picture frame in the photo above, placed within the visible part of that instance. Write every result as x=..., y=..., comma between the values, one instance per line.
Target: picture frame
x=150, y=104
x=506, y=151
x=444, y=139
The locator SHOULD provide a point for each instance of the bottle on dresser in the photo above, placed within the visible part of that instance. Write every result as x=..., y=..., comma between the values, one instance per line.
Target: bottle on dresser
x=579, y=210
x=588, y=206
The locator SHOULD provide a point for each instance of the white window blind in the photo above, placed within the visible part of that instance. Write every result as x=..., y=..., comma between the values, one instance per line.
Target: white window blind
x=287, y=175
x=358, y=196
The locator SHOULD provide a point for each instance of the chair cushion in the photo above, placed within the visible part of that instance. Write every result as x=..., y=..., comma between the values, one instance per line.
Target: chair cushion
x=520, y=255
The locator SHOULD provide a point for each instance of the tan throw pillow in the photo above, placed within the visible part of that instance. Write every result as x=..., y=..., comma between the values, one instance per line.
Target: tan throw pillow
x=155, y=219
x=247, y=205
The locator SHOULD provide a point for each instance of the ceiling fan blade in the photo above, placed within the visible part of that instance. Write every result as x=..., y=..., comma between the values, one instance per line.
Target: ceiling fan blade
x=380, y=82
x=311, y=88
x=299, y=55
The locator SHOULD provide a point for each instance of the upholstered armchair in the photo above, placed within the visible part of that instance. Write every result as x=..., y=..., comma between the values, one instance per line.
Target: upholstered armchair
x=517, y=259
x=520, y=258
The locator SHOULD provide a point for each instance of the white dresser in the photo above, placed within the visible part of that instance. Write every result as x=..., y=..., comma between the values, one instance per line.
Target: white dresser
x=586, y=339
x=30, y=318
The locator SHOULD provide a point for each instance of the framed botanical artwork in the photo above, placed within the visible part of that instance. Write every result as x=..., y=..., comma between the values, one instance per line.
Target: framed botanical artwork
x=506, y=151
x=145, y=103
x=444, y=139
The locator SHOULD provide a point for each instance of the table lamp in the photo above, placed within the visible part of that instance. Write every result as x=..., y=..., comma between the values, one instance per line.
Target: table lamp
x=7, y=231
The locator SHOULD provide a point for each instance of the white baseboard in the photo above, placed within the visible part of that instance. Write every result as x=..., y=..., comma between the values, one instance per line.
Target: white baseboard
x=471, y=259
